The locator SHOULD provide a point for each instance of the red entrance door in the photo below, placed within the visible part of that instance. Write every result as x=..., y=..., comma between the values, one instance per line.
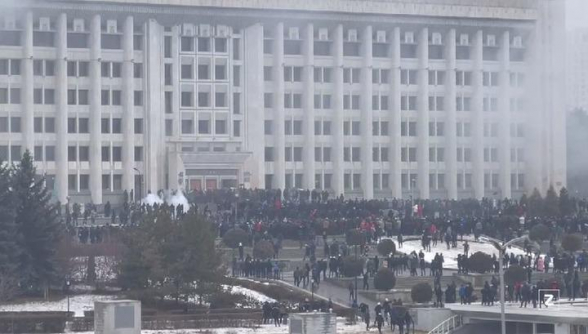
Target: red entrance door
x=211, y=184
x=196, y=184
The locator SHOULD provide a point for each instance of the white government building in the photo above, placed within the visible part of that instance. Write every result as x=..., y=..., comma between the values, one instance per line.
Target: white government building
x=367, y=98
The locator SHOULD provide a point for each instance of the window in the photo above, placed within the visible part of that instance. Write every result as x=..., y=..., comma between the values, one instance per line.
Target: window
x=116, y=125
x=203, y=44
x=187, y=126
x=117, y=153
x=72, y=182
x=297, y=153
x=84, y=125
x=408, y=77
x=186, y=71
x=220, y=99
x=408, y=103
x=408, y=129
x=38, y=125
x=220, y=72
x=105, y=97
x=269, y=154
x=72, y=153
x=268, y=100
x=463, y=103
x=169, y=127
x=15, y=124
x=436, y=103
x=436, y=78
x=463, y=78
x=187, y=100
x=220, y=127
x=220, y=45
x=84, y=153
x=138, y=98
x=83, y=97
x=49, y=125
x=49, y=153
x=203, y=72
x=203, y=99
x=138, y=125
x=355, y=154
x=203, y=126
x=105, y=125
x=187, y=44
x=138, y=70
x=236, y=128
x=267, y=127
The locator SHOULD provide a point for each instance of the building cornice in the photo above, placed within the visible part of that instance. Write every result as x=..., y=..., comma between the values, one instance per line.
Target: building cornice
x=476, y=9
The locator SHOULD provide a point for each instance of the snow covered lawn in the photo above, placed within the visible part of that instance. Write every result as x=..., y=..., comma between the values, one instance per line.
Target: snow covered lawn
x=77, y=304
x=250, y=294
x=450, y=255
x=264, y=329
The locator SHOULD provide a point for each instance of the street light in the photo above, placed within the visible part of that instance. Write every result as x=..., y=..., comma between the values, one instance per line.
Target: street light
x=501, y=249
x=67, y=284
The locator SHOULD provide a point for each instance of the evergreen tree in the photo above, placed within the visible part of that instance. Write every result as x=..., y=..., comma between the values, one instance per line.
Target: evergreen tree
x=566, y=204
x=38, y=228
x=535, y=203
x=551, y=203
x=8, y=233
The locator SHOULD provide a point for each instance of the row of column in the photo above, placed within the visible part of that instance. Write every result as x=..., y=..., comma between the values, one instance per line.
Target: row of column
x=95, y=103
x=395, y=144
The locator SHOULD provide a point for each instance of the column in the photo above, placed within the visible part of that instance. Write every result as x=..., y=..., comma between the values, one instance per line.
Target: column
x=95, y=112
x=478, y=120
x=61, y=165
x=423, y=114
x=254, y=108
x=504, y=106
x=338, y=164
x=128, y=105
x=308, y=104
x=534, y=136
x=279, y=133
x=27, y=97
x=396, y=117
x=367, y=115
x=450, y=121
x=155, y=156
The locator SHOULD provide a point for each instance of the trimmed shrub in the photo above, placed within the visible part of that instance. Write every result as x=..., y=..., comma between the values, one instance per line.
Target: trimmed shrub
x=234, y=236
x=515, y=274
x=352, y=266
x=572, y=242
x=225, y=300
x=384, y=279
x=539, y=232
x=421, y=293
x=263, y=250
x=481, y=262
x=355, y=237
x=386, y=247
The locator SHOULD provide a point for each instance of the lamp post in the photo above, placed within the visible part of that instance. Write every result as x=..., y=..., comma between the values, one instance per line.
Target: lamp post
x=501, y=249
x=67, y=284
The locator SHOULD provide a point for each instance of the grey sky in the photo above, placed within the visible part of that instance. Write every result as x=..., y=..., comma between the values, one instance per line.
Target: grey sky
x=577, y=13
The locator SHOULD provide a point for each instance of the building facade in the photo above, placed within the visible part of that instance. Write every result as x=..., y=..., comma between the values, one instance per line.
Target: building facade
x=577, y=69
x=396, y=98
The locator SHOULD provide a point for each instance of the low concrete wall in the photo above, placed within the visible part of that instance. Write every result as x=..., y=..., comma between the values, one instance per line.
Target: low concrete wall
x=426, y=319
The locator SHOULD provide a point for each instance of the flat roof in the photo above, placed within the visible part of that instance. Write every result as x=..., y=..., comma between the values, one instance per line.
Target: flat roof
x=564, y=313
x=481, y=9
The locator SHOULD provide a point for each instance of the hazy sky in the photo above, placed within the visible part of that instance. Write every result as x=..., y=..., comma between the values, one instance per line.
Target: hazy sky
x=577, y=13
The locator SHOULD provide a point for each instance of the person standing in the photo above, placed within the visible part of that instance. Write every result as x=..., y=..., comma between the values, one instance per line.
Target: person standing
x=466, y=248
x=379, y=322
x=366, y=282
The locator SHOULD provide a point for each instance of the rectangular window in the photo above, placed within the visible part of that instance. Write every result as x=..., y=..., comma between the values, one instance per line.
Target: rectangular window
x=105, y=153
x=105, y=125
x=220, y=99
x=72, y=153
x=116, y=125
x=203, y=72
x=203, y=126
x=138, y=98
x=84, y=153
x=203, y=99
x=84, y=125
x=268, y=127
x=220, y=127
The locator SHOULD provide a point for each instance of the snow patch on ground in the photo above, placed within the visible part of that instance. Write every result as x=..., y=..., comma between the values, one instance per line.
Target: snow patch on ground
x=264, y=329
x=450, y=255
x=77, y=304
x=250, y=294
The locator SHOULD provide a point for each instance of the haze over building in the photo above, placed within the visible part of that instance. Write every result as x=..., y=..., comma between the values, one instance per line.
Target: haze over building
x=372, y=99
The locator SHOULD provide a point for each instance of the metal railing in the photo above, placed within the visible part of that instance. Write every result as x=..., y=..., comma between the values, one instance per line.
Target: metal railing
x=448, y=325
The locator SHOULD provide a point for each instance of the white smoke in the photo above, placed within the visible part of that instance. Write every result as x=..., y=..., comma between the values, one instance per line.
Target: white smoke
x=151, y=200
